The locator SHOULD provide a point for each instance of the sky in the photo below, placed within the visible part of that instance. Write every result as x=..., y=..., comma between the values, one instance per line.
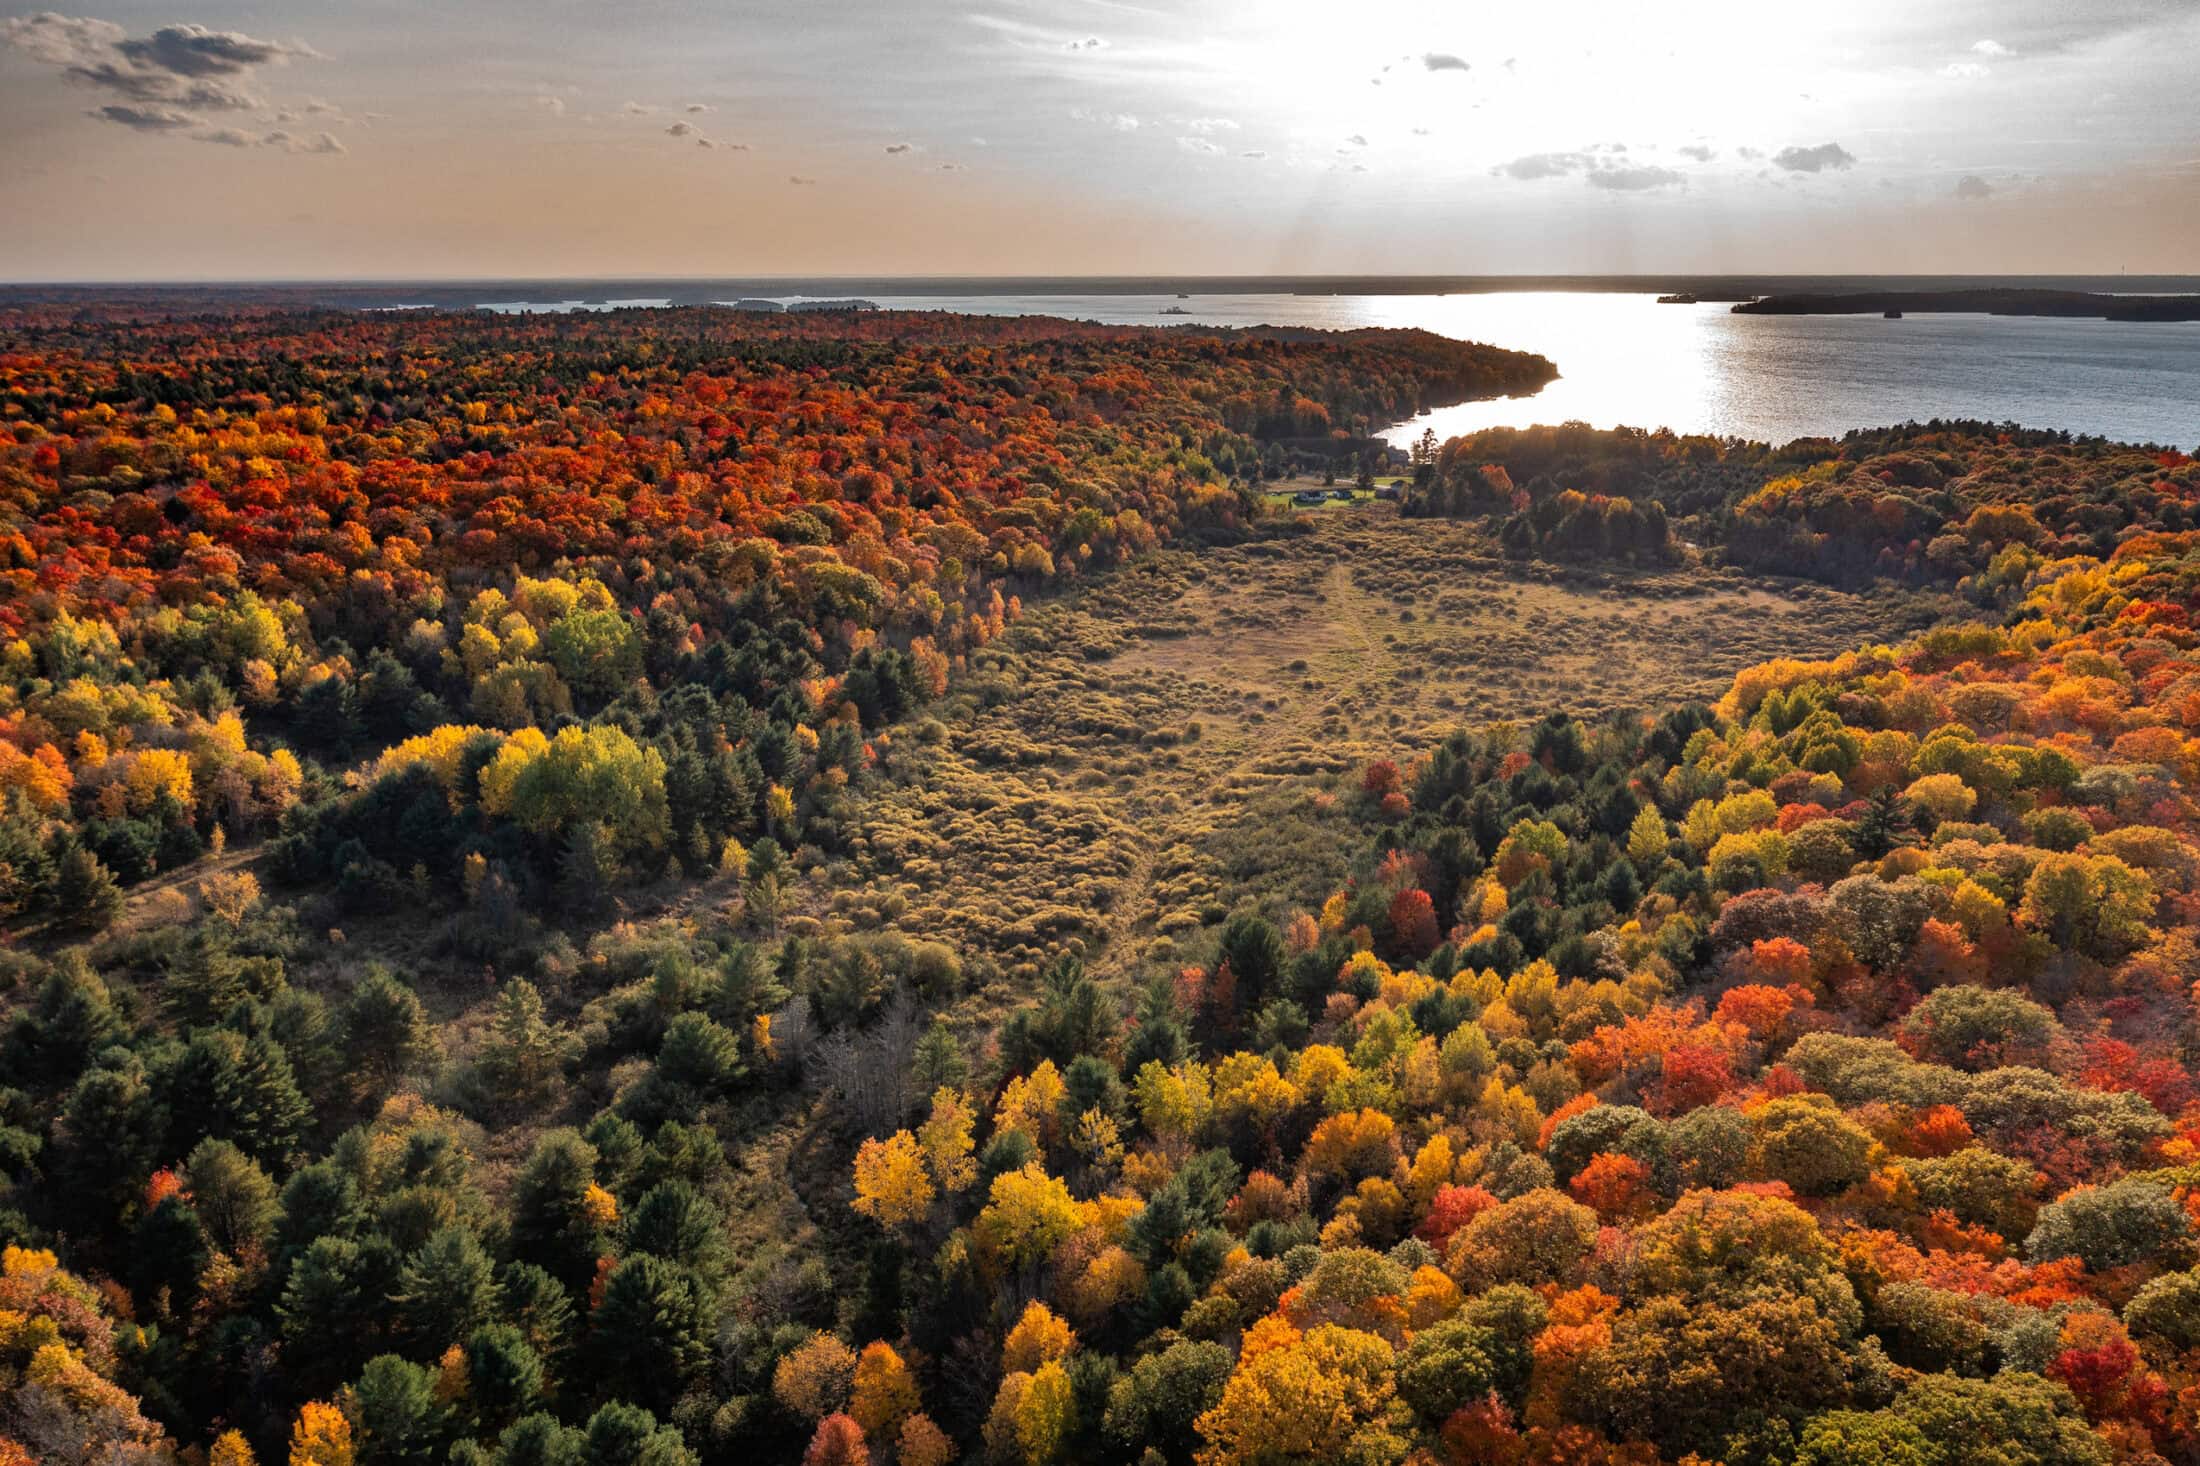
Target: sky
x=201, y=140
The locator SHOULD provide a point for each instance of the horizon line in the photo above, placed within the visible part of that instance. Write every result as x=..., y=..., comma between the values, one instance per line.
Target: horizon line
x=878, y=277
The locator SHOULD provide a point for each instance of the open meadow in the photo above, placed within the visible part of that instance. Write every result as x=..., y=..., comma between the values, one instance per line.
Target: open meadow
x=1106, y=776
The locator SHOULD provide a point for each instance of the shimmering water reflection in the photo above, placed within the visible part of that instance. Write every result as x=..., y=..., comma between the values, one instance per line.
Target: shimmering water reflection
x=1625, y=359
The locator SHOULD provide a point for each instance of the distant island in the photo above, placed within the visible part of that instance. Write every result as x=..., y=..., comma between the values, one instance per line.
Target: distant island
x=1994, y=302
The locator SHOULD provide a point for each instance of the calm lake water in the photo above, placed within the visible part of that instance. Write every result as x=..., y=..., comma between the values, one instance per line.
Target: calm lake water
x=1626, y=360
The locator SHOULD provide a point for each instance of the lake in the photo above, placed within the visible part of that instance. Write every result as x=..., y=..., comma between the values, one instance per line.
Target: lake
x=1625, y=360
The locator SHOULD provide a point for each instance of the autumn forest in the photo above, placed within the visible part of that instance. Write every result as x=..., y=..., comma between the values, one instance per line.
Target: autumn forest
x=871, y=889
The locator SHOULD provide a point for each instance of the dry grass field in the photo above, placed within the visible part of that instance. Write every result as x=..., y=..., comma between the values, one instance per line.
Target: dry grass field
x=1130, y=759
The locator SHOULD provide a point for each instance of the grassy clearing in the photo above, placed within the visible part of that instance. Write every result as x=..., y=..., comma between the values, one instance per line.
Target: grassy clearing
x=1131, y=758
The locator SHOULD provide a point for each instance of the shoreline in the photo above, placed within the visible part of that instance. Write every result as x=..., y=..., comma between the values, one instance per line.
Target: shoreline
x=1996, y=301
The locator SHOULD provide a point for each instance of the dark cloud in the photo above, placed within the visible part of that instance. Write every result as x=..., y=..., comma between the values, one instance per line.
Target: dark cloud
x=799, y=181
x=1444, y=61
x=176, y=71
x=209, y=94
x=681, y=129
x=193, y=50
x=700, y=107
x=1252, y=153
x=1543, y=165
x=1633, y=180
x=1357, y=140
x=900, y=147
x=1815, y=160
x=229, y=137
x=1699, y=152
x=146, y=119
x=1971, y=186
x=1200, y=146
x=1596, y=166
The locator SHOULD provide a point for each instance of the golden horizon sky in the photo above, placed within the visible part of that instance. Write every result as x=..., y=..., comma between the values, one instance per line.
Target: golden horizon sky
x=1063, y=137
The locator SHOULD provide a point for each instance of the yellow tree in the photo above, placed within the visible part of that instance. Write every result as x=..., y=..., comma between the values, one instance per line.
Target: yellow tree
x=891, y=1186
x=231, y=1449
x=1039, y=1337
x=885, y=1392
x=1318, y=1397
x=814, y=1380
x=321, y=1436
x=1027, y=1215
x=947, y=1141
x=1045, y=1413
x=1032, y=1103
x=1173, y=1103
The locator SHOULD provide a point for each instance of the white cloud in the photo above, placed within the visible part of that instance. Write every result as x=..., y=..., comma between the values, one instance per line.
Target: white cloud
x=1971, y=186
x=1199, y=145
x=63, y=40
x=1991, y=48
x=1965, y=71
x=1119, y=121
x=1210, y=124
